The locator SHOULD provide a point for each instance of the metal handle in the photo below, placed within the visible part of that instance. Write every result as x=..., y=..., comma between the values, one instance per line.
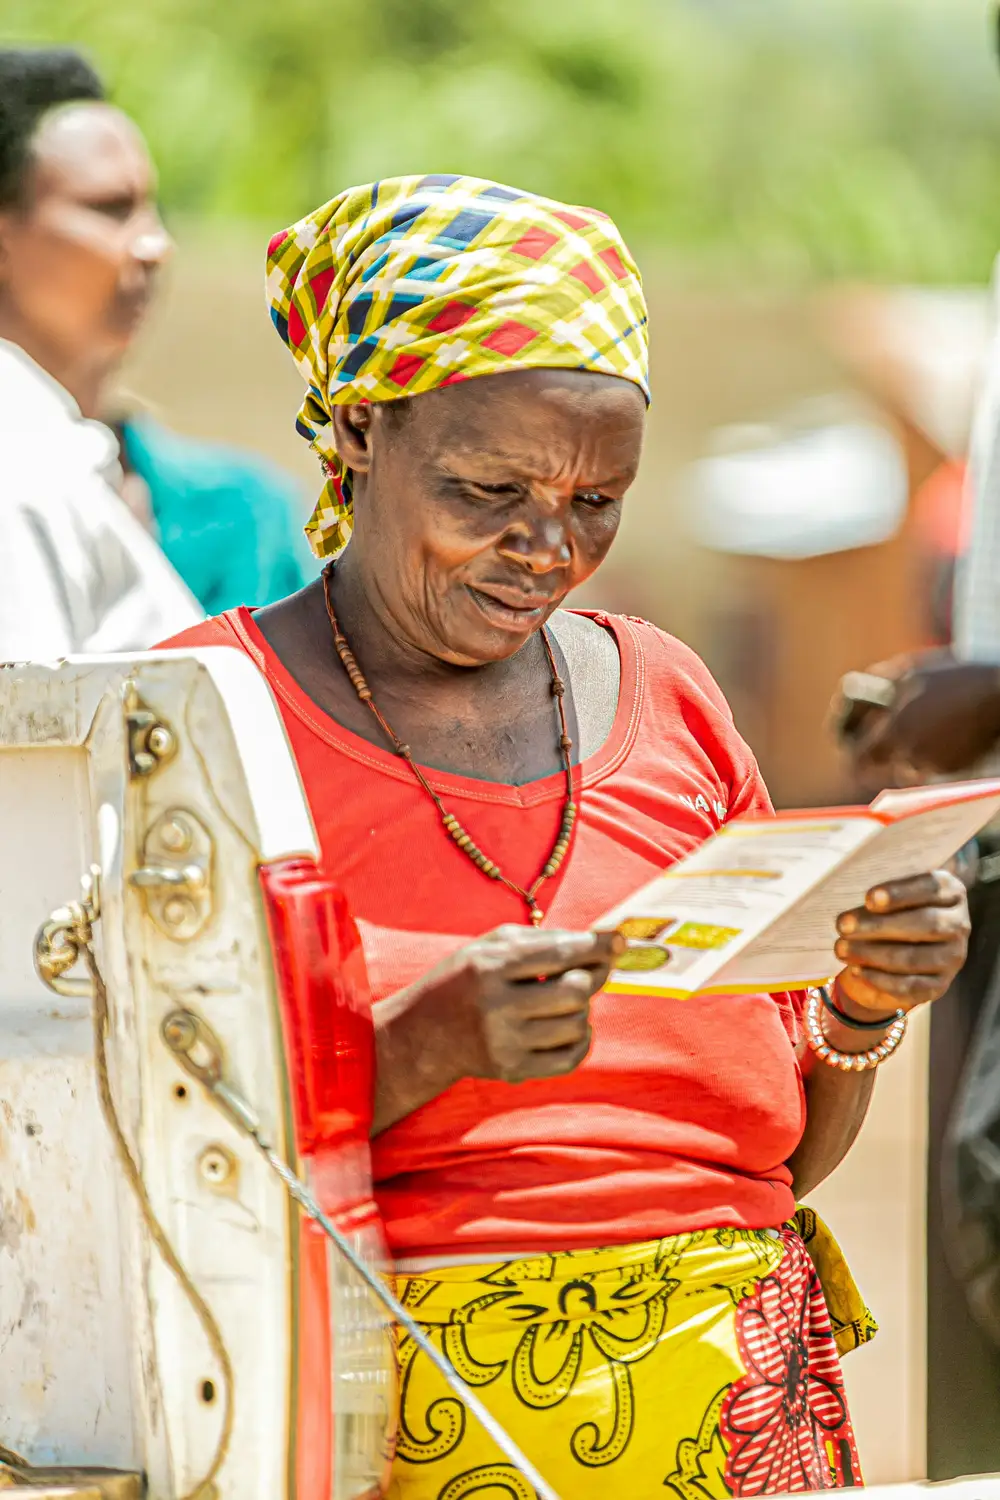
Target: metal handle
x=57, y=941
x=178, y=877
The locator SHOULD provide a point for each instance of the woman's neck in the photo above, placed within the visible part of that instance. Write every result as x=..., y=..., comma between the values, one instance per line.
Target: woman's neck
x=495, y=722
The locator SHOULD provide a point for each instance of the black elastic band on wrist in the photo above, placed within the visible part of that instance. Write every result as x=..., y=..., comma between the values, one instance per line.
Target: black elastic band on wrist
x=879, y=1024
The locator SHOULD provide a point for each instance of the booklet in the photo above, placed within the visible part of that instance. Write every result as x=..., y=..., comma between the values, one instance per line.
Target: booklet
x=755, y=907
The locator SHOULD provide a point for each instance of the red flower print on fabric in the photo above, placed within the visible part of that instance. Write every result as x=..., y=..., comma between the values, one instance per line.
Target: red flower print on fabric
x=785, y=1422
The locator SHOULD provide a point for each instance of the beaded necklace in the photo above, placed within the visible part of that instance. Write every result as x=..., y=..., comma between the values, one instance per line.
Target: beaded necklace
x=451, y=825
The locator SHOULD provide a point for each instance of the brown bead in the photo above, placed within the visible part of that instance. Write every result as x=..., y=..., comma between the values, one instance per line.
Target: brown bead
x=558, y=688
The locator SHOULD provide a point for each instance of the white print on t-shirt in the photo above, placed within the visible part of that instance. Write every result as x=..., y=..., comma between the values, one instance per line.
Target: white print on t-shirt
x=701, y=804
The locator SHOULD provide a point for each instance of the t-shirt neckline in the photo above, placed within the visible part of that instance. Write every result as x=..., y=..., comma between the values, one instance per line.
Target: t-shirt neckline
x=595, y=768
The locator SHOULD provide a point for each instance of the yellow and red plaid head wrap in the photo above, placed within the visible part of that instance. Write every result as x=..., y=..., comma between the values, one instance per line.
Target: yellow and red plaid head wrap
x=413, y=283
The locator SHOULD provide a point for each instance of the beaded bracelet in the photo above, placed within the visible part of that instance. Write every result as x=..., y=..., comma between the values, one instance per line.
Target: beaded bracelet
x=848, y=1062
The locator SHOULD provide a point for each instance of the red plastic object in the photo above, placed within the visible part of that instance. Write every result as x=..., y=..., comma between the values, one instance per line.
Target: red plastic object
x=330, y=1047
x=326, y=1005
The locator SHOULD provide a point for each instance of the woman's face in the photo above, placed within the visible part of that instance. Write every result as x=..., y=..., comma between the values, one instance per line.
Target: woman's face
x=478, y=507
x=80, y=252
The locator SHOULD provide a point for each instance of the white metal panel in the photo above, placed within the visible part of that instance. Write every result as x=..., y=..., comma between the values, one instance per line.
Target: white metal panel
x=101, y=1358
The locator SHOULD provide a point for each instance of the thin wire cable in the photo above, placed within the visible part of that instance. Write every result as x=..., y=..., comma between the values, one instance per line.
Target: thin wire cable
x=466, y=1395
x=180, y=1031
x=82, y=936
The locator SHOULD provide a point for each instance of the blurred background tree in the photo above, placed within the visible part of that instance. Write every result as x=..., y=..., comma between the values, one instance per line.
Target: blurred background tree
x=793, y=137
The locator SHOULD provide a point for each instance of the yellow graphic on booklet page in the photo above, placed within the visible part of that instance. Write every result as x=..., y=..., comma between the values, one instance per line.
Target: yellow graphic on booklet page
x=703, y=935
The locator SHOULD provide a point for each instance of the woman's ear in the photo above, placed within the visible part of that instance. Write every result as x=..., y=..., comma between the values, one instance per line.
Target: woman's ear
x=352, y=427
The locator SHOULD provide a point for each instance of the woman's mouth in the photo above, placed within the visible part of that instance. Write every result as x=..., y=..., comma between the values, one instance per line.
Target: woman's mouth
x=508, y=609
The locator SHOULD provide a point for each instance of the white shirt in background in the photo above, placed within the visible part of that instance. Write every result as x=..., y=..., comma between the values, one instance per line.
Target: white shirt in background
x=976, y=628
x=78, y=573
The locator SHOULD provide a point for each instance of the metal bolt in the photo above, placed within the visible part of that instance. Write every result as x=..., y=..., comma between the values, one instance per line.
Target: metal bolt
x=175, y=835
x=160, y=741
x=216, y=1166
x=178, y=910
x=179, y=1031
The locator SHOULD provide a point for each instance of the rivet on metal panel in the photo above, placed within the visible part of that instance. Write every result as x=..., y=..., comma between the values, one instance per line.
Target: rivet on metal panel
x=175, y=834
x=178, y=910
x=217, y=1167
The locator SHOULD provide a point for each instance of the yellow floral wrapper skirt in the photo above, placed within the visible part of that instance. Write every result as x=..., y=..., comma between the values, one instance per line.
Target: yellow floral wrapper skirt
x=706, y=1363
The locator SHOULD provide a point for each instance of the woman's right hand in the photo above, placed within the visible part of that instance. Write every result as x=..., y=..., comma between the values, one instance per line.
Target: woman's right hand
x=513, y=1005
x=524, y=996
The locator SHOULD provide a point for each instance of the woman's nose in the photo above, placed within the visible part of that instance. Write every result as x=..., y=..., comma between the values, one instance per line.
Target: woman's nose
x=540, y=547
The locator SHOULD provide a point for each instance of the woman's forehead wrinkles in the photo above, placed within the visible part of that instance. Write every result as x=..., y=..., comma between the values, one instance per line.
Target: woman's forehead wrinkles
x=538, y=462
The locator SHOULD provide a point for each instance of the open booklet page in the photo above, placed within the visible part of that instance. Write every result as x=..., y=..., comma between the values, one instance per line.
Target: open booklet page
x=755, y=907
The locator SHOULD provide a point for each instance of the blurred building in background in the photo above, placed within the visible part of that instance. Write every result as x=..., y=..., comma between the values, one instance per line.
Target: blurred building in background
x=756, y=156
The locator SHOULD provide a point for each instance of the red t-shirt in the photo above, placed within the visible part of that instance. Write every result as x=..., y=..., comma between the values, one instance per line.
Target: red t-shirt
x=684, y=1113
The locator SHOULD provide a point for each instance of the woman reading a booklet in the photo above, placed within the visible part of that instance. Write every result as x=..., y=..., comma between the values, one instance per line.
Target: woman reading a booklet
x=591, y=1197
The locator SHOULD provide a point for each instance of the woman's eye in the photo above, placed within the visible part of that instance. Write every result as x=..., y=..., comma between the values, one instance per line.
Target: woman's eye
x=594, y=498
x=500, y=491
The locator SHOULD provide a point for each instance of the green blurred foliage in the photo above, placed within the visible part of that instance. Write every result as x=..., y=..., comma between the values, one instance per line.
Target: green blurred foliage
x=794, y=137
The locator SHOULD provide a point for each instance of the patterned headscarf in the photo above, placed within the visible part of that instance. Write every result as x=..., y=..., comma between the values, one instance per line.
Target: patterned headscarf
x=405, y=285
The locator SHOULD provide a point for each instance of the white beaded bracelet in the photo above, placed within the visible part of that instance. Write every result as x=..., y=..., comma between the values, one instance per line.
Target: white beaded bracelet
x=848, y=1062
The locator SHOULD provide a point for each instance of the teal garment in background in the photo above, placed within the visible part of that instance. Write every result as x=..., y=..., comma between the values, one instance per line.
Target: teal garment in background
x=229, y=521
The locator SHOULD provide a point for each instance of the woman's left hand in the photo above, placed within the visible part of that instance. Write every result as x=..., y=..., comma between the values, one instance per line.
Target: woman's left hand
x=904, y=947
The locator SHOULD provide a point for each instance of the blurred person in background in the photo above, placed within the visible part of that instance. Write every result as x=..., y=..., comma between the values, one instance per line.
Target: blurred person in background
x=80, y=245
x=230, y=522
x=111, y=546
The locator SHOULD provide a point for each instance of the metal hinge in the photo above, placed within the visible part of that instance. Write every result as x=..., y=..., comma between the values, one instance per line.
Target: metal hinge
x=150, y=740
x=175, y=876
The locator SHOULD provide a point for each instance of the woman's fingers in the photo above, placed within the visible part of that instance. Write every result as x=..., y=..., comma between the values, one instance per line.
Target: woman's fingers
x=869, y=987
x=902, y=958
x=550, y=1035
x=929, y=924
x=566, y=996
x=554, y=1062
x=524, y=953
x=928, y=909
x=532, y=992
x=934, y=888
